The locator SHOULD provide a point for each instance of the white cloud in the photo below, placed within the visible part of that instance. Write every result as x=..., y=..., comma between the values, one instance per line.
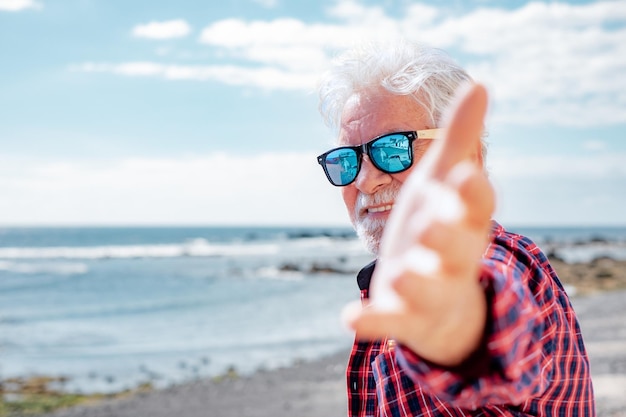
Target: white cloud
x=550, y=63
x=18, y=5
x=266, y=77
x=555, y=189
x=290, y=32
x=219, y=188
x=162, y=30
x=547, y=63
x=598, y=165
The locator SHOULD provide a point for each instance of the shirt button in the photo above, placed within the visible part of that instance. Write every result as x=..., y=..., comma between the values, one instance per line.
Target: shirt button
x=354, y=385
x=391, y=344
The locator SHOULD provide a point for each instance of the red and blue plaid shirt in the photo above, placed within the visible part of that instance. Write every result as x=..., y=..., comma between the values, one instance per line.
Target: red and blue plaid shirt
x=532, y=360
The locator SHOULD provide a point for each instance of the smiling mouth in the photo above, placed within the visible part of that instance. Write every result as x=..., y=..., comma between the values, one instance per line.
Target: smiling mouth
x=380, y=209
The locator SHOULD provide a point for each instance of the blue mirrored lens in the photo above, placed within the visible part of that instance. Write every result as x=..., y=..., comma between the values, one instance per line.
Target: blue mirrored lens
x=391, y=153
x=341, y=166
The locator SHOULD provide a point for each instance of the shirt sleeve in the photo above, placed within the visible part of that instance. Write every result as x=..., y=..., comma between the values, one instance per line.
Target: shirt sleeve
x=514, y=361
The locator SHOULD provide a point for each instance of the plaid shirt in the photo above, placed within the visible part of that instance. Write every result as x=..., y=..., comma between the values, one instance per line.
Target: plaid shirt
x=532, y=360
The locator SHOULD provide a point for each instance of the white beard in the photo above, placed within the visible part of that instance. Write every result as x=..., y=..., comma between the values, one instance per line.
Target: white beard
x=370, y=231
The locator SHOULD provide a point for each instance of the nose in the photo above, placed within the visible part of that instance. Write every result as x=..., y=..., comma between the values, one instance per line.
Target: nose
x=370, y=178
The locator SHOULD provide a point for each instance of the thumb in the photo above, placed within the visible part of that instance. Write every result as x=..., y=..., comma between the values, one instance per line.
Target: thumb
x=351, y=313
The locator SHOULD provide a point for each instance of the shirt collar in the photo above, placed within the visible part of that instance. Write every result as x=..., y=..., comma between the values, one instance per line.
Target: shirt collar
x=364, y=276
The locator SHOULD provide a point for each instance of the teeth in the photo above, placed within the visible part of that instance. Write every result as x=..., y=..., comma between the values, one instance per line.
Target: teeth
x=380, y=209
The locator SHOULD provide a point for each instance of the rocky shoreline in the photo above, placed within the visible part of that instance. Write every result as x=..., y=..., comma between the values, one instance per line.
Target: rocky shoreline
x=600, y=274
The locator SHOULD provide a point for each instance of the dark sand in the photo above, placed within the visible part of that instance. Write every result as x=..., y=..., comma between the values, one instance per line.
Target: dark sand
x=316, y=389
x=309, y=389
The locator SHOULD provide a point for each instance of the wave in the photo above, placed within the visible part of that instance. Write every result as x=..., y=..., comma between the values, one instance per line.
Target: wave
x=195, y=247
x=198, y=247
x=587, y=253
x=103, y=312
x=59, y=268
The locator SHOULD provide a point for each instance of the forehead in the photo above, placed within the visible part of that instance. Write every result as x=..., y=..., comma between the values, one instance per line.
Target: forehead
x=373, y=113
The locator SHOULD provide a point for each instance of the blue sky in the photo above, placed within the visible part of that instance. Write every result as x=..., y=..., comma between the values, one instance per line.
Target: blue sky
x=193, y=112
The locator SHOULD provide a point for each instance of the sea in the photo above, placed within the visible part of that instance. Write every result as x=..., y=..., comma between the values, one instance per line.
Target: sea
x=110, y=308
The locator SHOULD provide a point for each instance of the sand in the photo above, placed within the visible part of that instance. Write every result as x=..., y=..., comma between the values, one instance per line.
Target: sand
x=310, y=389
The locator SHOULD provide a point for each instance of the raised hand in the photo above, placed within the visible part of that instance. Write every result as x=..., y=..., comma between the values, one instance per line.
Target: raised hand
x=425, y=292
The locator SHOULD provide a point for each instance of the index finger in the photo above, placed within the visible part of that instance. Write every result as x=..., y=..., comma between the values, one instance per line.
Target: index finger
x=464, y=126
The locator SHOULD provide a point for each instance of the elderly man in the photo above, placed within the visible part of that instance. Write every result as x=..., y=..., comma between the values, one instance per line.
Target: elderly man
x=464, y=317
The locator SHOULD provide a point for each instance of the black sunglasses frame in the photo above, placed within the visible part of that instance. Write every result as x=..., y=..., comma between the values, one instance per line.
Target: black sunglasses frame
x=367, y=147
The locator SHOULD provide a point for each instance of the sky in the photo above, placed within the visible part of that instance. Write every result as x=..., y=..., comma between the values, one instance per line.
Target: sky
x=151, y=112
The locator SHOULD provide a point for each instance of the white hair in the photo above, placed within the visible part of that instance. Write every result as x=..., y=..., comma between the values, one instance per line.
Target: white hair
x=429, y=75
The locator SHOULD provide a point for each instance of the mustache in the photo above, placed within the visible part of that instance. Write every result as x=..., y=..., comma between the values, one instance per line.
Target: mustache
x=385, y=195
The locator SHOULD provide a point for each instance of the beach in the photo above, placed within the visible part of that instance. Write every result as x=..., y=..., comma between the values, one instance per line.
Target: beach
x=316, y=388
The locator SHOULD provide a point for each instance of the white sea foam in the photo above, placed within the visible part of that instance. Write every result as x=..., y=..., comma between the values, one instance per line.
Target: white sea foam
x=590, y=251
x=196, y=247
x=271, y=272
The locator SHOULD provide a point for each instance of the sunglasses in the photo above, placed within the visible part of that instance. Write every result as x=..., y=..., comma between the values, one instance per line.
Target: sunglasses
x=391, y=153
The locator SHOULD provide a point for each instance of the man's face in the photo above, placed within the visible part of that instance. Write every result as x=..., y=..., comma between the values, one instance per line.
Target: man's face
x=370, y=198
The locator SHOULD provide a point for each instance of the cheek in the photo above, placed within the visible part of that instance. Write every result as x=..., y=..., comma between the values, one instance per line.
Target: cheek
x=402, y=176
x=349, y=194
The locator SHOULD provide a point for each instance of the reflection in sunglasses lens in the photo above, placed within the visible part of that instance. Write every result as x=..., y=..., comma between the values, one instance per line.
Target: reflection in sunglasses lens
x=391, y=153
x=342, y=165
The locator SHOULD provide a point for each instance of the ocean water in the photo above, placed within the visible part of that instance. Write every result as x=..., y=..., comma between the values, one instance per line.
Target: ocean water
x=114, y=307
x=111, y=308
